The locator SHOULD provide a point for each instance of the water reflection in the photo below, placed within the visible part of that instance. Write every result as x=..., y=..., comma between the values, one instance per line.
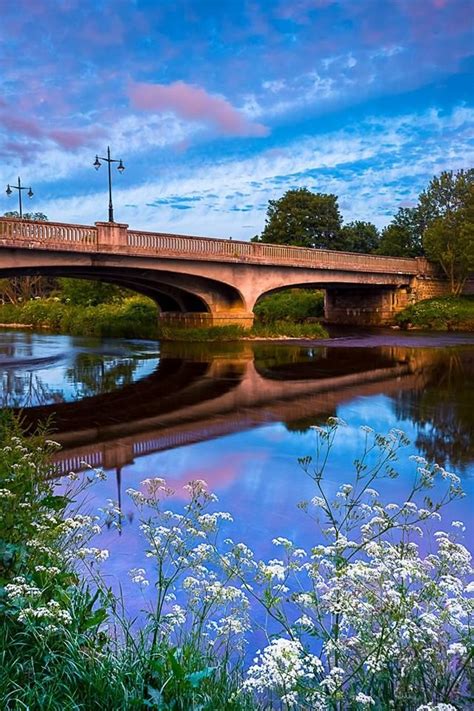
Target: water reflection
x=113, y=401
x=42, y=369
x=239, y=416
x=443, y=411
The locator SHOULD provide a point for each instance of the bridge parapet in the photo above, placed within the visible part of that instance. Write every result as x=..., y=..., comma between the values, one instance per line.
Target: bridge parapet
x=117, y=239
x=15, y=231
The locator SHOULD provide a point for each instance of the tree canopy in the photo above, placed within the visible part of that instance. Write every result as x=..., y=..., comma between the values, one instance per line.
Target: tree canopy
x=403, y=237
x=303, y=219
x=39, y=216
x=449, y=239
x=359, y=236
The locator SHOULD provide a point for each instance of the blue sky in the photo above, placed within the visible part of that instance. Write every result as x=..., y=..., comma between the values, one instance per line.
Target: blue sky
x=217, y=107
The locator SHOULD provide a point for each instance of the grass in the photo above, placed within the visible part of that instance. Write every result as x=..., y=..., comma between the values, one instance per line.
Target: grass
x=137, y=317
x=449, y=313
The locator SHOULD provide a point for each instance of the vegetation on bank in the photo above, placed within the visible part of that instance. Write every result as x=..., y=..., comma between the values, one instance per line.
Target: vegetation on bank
x=133, y=317
x=92, y=309
x=448, y=313
x=363, y=620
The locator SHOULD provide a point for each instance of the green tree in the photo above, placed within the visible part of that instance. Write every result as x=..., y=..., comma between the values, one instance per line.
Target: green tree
x=303, y=219
x=446, y=193
x=359, y=236
x=38, y=216
x=403, y=237
x=82, y=292
x=449, y=240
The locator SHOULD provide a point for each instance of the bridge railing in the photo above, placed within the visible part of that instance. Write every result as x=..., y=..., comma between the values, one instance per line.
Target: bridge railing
x=230, y=250
x=116, y=238
x=47, y=233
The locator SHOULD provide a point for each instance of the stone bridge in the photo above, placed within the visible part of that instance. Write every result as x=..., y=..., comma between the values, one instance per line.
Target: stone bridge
x=206, y=281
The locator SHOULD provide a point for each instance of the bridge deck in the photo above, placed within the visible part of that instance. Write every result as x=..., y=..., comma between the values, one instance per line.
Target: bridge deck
x=117, y=239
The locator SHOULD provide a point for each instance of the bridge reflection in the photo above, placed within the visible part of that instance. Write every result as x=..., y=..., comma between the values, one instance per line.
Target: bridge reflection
x=195, y=395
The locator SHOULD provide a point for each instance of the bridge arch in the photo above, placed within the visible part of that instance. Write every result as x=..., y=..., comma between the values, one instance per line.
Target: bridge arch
x=174, y=292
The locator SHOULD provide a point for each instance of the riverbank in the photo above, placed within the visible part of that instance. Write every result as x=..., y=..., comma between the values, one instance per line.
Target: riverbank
x=137, y=317
x=448, y=313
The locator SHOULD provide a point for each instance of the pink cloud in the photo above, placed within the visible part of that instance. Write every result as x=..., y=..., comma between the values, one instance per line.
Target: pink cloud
x=74, y=138
x=195, y=104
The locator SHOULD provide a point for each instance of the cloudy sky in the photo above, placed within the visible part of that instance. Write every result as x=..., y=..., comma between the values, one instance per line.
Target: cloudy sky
x=218, y=106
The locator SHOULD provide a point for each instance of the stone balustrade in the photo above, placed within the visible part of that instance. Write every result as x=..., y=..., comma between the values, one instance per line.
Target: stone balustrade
x=117, y=238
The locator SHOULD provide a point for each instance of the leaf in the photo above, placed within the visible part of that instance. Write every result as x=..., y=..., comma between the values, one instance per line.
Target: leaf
x=176, y=667
x=57, y=503
x=95, y=620
x=195, y=678
x=155, y=700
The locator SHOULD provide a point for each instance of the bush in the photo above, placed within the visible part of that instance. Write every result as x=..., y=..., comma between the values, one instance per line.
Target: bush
x=448, y=313
x=134, y=317
x=295, y=305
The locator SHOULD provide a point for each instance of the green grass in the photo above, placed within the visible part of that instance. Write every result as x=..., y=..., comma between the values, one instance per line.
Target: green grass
x=447, y=313
x=137, y=317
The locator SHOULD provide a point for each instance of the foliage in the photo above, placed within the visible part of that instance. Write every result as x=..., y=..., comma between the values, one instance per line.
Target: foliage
x=55, y=651
x=20, y=289
x=447, y=313
x=303, y=219
x=82, y=292
x=449, y=239
x=38, y=216
x=135, y=317
x=287, y=329
x=290, y=305
x=445, y=194
x=360, y=236
x=403, y=237
x=203, y=334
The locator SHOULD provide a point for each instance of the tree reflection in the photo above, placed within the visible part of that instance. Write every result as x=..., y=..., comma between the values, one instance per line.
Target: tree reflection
x=21, y=390
x=443, y=410
x=95, y=374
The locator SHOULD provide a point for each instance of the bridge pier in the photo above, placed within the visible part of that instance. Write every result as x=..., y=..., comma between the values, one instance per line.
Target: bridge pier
x=205, y=319
x=365, y=306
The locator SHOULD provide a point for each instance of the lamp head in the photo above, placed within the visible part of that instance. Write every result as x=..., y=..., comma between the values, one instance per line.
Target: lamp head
x=120, y=167
x=30, y=193
x=97, y=163
x=9, y=190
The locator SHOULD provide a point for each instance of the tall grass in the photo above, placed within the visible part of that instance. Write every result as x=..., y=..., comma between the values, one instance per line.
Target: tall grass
x=137, y=317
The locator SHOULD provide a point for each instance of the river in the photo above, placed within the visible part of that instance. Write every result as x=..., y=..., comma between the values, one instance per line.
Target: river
x=239, y=416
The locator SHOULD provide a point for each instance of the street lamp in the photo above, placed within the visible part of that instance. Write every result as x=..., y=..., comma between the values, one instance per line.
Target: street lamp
x=120, y=169
x=19, y=187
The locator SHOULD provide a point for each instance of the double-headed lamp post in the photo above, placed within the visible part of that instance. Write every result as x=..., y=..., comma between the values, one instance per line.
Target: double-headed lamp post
x=19, y=187
x=120, y=169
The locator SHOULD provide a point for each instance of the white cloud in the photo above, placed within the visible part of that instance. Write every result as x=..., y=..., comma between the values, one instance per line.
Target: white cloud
x=373, y=168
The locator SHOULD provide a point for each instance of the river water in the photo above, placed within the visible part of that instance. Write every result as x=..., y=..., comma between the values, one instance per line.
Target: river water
x=240, y=416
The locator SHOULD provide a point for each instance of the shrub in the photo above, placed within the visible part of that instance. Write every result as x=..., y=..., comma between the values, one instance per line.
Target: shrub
x=295, y=305
x=442, y=314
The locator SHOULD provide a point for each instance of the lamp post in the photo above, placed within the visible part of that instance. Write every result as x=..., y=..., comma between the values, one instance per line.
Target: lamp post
x=120, y=169
x=19, y=187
